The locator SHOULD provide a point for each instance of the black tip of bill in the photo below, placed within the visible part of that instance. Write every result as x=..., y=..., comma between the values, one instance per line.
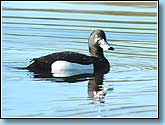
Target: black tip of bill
x=111, y=48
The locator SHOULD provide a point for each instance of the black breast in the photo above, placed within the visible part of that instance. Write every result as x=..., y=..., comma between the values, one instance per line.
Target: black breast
x=101, y=65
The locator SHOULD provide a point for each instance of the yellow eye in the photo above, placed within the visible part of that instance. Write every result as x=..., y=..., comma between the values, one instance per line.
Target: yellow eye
x=96, y=36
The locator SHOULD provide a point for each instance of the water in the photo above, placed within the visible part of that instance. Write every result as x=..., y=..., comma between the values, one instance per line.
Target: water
x=34, y=29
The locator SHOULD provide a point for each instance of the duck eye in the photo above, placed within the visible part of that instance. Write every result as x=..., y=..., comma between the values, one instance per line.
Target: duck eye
x=96, y=36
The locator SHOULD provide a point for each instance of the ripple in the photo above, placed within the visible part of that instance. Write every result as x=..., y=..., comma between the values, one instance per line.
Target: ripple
x=105, y=12
x=132, y=68
x=85, y=20
x=132, y=4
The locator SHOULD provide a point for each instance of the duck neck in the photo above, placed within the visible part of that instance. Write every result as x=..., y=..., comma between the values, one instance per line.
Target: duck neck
x=98, y=53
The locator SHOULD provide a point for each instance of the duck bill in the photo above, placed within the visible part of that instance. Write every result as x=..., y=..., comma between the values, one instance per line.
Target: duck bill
x=104, y=45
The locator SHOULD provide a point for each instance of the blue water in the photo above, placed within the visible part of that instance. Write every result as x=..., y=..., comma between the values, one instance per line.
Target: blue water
x=46, y=27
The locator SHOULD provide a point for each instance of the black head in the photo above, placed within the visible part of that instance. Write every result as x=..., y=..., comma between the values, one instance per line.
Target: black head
x=97, y=43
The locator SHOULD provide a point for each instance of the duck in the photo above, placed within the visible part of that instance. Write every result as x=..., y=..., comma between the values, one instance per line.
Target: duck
x=68, y=63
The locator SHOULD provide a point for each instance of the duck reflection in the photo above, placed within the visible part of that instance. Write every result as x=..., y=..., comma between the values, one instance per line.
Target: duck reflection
x=96, y=91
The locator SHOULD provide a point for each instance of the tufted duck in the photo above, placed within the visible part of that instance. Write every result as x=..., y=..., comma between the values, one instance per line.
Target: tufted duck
x=64, y=64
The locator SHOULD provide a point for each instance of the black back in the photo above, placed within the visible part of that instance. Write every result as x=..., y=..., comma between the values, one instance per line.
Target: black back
x=44, y=62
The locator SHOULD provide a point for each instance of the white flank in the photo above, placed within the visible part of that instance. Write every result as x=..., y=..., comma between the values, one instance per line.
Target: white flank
x=67, y=69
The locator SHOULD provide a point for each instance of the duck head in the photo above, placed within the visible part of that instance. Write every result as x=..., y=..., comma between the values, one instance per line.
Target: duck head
x=97, y=43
